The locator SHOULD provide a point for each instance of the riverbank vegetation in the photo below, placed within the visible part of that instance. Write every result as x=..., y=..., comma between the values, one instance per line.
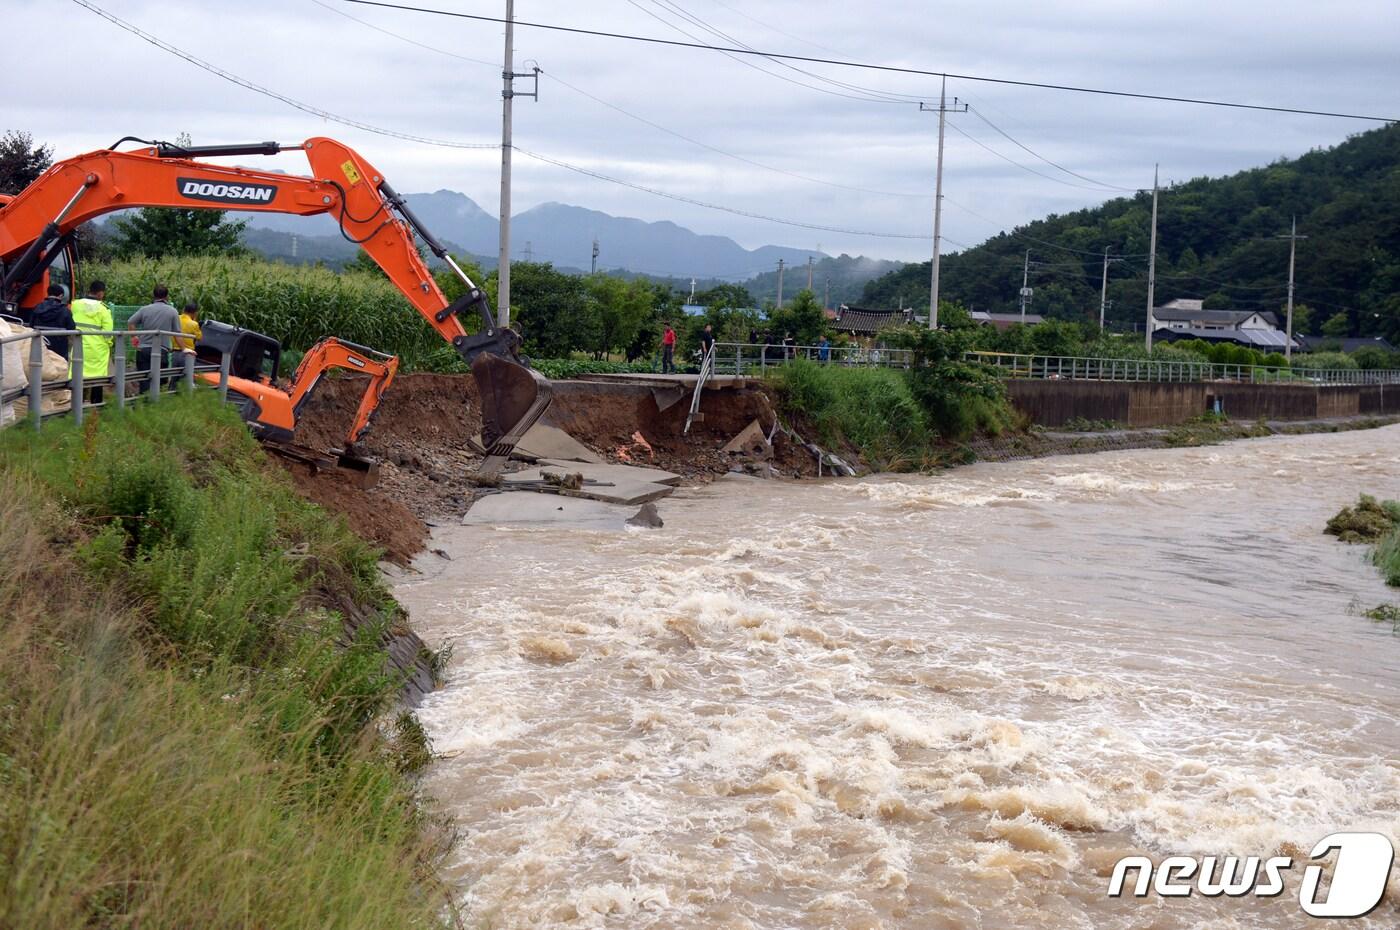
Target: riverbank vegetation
x=1377, y=524
x=197, y=727
x=901, y=419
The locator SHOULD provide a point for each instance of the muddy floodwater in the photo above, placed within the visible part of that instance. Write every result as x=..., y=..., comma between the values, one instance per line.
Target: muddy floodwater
x=920, y=702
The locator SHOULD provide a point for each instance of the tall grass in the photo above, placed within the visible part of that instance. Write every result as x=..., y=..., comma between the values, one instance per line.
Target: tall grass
x=187, y=736
x=295, y=304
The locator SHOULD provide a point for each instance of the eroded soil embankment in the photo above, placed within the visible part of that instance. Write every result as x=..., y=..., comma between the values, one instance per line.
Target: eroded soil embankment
x=422, y=434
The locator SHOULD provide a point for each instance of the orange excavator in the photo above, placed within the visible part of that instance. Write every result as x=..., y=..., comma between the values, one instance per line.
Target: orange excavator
x=38, y=227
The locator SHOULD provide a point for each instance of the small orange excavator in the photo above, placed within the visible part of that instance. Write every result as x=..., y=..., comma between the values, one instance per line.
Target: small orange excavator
x=272, y=411
x=38, y=227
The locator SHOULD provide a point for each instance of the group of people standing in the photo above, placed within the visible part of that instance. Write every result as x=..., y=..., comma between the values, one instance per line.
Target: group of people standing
x=91, y=313
x=668, y=346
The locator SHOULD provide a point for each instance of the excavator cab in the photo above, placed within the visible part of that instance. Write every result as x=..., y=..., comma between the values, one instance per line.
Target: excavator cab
x=252, y=356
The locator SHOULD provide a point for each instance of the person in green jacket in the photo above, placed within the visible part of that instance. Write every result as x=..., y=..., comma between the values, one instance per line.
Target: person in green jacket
x=91, y=312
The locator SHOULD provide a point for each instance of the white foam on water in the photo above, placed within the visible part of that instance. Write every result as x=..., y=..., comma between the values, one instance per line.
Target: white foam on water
x=744, y=720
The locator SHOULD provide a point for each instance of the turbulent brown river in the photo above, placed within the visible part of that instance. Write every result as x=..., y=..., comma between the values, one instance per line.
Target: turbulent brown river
x=920, y=702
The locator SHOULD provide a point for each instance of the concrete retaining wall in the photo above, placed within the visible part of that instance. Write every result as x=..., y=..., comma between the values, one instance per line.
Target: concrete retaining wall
x=1142, y=403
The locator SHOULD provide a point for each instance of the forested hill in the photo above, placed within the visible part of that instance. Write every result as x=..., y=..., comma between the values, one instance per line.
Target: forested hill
x=1215, y=241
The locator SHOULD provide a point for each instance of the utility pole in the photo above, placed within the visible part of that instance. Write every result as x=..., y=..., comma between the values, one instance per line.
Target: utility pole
x=780, y=284
x=508, y=95
x=1025, y=285
x=1152, y=263
x=529, y=251
x=1103, y=293
x=593, y=269
x=1292, y=238
x=943, y=110
x=809, y=272
x=826, y=295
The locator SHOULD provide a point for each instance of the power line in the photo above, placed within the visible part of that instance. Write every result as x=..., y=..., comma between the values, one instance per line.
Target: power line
x=1026, y=148
x=259, y=89
x=326, y=114
x=713, y=206
x=880, y=95
x=575, y=30
x=629, y=114
x=496, y=65
x=746, y=160
x=1011, y=161
x=745, y=63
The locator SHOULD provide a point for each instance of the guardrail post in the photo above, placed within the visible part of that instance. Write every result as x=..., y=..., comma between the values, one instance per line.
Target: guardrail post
x=36, y=380
x=188, y=358
x=75, y=381
x=223, y=376
x=120, y=354
x=154, y=367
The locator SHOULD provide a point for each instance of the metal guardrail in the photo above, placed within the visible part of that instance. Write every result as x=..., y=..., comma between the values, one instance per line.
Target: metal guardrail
x=1073, y=368
x=736, y=358
x=152, y=381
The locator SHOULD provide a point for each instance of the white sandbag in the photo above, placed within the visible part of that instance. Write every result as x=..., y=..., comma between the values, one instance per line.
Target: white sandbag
x=55, y=367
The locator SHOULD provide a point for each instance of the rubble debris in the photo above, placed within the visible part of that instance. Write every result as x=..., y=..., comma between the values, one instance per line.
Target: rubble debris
x=750, y=441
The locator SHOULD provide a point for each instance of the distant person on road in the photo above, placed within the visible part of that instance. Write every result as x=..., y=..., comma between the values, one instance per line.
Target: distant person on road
x=707, y=340
x=824, y=350
x=789, y=346
x=189, y=325
x=92, y=313
x=158, y=315
x=668, y=350
x=53, y=313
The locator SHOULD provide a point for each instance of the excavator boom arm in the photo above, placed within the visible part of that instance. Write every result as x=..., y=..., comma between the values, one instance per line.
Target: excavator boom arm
x=37, y=223
x=345, y=185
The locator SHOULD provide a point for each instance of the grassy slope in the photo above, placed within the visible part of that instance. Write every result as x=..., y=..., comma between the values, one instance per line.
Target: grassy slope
x=185, y=738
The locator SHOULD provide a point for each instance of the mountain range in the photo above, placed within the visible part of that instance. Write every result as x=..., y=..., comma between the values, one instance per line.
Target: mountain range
x=552, y=232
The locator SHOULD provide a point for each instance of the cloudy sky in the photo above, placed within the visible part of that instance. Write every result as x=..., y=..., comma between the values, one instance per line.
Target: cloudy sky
x=857, y=157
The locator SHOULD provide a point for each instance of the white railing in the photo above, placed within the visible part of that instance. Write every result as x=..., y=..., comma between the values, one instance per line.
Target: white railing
x=707, y=369
x=33, y=388
x=737, y=358
x=1073, y=368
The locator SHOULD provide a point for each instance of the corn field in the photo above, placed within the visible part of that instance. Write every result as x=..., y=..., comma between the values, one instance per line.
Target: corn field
x=295, y=304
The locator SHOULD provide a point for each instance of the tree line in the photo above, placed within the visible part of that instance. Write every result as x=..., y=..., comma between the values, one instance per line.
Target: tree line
x=1217, y=242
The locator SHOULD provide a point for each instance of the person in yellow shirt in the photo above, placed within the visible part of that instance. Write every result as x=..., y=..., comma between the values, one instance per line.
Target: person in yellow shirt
x=92, y=313
x=189, y=325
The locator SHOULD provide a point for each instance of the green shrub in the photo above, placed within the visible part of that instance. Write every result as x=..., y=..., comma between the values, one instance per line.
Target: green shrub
x=872, y=409
x=1321, y=361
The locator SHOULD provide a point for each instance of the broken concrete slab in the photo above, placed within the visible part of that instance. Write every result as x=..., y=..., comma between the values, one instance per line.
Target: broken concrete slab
x=607, y=471
x=549, y=442
x=614, y=490
x=667, y=398
x=546, y=510
x=751, y=440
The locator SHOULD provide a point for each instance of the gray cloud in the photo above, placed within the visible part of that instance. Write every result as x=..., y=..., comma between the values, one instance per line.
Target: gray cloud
x=1340, y=58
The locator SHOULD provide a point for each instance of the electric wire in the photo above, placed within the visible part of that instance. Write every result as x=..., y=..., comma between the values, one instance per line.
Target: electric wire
x=1044, y=85
x=235, y=79
x=266, y=92
x=634, y=116
x=1028, y=149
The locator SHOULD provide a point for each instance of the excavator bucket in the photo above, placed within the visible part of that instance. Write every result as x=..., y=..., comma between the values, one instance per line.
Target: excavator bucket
x=513, y=398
